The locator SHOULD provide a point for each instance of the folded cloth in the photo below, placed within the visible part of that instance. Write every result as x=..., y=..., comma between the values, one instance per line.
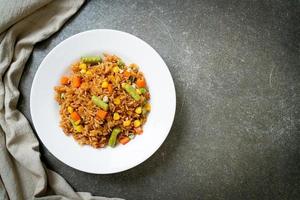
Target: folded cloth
x=22, y=174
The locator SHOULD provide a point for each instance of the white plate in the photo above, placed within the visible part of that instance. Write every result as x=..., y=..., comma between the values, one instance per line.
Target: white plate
x=45, y=110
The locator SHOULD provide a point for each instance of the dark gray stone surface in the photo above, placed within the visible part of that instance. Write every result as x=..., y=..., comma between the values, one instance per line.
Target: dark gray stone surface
x=236, y=67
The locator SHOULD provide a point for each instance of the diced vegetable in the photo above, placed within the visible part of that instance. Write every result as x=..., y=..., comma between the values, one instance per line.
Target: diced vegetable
x=127, y=74
x=70, y=109
x=131, y=91
x=137, y=123
x=126, y=123
x=88, y=72
x=138, y=110
x=148, y=107
x=138, y=131
x=120, y=63
x=110, y=88
x=117, y=101
x=104, y=84
x=72, y=122
x=141, y=83
x=111, y=78
x=143, y=90
x=77, y=122
x=77, y=128
x=64, y=80
x=124, y=140
x=101, y=114
x=138, y=91
x=83, y=71
x=76, y=81
x=116, y=69
x=91, y=59
x=98, y=102
x=113, y=137
x=83, y=66
x=116, y=116
x=75, y=116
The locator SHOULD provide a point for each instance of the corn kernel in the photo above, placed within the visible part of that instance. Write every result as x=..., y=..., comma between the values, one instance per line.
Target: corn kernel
x=138, y=110
x=116, y=69
x=105, y=84
x=88, y=72
x=126, y=123
x=70, y=109
x=138, y=91
x=117, y=101
x=137, y=123
x=83, y=71
x=111, y=78
x=82, y=66
x=116, y=116
x=148, y=107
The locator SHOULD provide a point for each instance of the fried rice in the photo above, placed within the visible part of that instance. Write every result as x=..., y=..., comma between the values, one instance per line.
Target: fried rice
x=103, y=101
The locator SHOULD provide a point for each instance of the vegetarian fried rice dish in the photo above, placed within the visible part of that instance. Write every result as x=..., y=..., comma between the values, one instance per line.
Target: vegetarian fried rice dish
x=103, y=101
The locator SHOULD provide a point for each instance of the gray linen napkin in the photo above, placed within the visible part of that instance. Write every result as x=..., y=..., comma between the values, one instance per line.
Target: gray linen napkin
x=23, y=23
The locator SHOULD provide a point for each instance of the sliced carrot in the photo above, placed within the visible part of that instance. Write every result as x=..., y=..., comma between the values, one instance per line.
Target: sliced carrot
x=138, y=130
x=124, y=140
x=110, y=88
x=101, y=114
x=75, y=116
x=64, y=80
x=76, y=81
x=127, y=74
x=141, y=83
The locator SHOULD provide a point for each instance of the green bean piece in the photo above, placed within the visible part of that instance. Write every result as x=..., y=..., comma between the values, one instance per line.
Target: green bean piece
x=113, y=137
x=91, y=59
x=98, y=102
x=72, y=122
x=143, y=90
x=132, y=92
x=121, y=64
x=77, y=127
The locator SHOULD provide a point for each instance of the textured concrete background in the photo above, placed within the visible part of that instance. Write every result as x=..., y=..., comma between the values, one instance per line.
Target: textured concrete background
x=236, y=67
